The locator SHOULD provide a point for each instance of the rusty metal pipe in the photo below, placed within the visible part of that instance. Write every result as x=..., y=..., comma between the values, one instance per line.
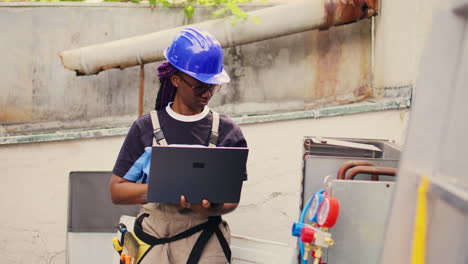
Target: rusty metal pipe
x=141, y=90
x=340, y=175
x=296, y=17
x=369, y=170
x=339, y=12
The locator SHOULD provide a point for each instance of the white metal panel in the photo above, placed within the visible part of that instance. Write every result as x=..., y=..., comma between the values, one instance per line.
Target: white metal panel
x=447, y=227
x=91, y=248
x=435, y=145
x=250, y=250
x=454, y=143
x=360, y=227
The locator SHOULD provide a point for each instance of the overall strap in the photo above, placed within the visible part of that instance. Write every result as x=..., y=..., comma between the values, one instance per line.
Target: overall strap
x=158, y=138
x=214, y=130
x=202, y=240
x=151, y=240
x=207, y=230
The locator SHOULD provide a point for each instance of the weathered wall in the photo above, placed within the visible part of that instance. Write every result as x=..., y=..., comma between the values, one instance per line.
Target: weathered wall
x=35, y=181
x=401, y=31
x=37, y=94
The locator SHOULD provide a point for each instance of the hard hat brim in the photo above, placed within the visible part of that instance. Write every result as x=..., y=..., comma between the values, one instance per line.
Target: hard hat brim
x=220, y=78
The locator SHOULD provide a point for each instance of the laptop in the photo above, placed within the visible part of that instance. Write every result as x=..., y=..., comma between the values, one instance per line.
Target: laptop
x=212, y=173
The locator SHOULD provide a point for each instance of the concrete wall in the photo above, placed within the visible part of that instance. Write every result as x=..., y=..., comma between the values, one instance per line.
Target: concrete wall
x=401, y=31
x=35, y=181
x=294, y=72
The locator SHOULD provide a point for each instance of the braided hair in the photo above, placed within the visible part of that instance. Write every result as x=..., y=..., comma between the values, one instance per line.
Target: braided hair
x=166, y=92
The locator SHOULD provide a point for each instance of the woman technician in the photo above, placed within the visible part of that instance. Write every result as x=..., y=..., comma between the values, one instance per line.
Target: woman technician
x=179, y=233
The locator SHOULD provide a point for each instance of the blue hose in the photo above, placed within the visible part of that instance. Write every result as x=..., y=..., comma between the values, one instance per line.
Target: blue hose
x=301, y=220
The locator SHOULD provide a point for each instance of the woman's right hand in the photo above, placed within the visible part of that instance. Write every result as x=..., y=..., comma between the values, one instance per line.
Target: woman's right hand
x=208, y=209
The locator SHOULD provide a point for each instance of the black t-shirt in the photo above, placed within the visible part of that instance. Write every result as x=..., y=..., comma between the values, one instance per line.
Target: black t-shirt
x=134, y=158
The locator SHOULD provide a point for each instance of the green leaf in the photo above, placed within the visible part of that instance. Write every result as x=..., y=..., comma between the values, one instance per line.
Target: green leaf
x=152, y=2
x=236, y=11
x=219, y=12
x=165, y=3
x=255, y=19
x=189, y=11
x=135, y=1
x=235, y=20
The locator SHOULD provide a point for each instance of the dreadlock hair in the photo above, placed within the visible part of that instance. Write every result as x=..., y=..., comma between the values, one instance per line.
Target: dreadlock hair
x=166, y=92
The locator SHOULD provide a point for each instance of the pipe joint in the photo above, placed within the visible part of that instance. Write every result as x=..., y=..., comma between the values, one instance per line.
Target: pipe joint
x=340, y=12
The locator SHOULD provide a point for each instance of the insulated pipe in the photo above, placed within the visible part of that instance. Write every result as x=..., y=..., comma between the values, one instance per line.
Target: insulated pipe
x=277, y=21
x=340, y=175
x=369, y=170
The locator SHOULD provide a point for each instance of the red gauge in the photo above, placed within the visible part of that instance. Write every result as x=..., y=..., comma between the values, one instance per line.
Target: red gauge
x=328, y=212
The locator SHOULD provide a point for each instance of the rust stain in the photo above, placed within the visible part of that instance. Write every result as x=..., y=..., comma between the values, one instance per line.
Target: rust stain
x=365, y=65
x=363, y=90
x=340, y=12
x=363, y=93
x=13, y=115
x=330, y=9
x=327, y=64
x=341, y=66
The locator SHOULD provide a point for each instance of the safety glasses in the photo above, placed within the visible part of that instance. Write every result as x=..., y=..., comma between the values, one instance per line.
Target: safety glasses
x=201, y=88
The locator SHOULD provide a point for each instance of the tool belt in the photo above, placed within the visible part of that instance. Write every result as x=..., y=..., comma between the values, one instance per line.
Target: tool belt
x=208, y=229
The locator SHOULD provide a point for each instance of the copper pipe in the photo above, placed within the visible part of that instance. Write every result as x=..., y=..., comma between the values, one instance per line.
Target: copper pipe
x=350, y=164
x=307, y=144
x=141, y=91
x=369, y=170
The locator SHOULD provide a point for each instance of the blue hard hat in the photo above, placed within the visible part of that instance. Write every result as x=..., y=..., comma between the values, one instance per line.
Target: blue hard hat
x=198, y=54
